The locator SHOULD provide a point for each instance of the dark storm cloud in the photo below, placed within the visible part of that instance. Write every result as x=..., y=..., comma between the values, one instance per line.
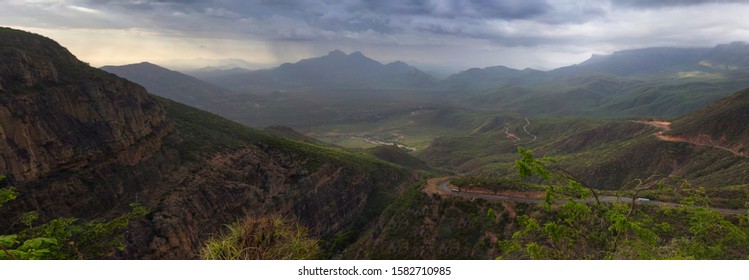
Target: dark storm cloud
x=382, y=22
x=420, y=28
x=502, y=9
x=381, y=16
x=368, y=21
x=669, y=3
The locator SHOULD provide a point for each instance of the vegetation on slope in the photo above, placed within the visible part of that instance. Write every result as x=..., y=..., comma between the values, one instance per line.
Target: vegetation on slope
x=63, y=237
x=422, y=226
x=264, y=238
x=419, y=226
x=577, y=230
x=722, y=122
x=605, y=154
x=202, y=133
x=398, y=156
x=177, y=86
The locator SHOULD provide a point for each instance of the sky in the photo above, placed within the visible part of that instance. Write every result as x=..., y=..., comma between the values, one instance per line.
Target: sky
x=447, y=35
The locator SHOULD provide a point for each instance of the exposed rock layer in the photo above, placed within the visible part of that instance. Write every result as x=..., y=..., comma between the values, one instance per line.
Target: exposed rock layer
x=77, y=141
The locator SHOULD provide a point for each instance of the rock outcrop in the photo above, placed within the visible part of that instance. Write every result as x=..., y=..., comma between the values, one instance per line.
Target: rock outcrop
x=77, y=141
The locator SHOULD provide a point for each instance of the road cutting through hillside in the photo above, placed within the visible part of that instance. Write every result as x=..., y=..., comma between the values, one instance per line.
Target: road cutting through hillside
x=442, y=187
x=525, y=128
x=517, y=140
x=664, y=127
x=509, y=134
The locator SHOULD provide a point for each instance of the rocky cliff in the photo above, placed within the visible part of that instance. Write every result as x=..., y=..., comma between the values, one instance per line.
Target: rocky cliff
x=71, y=136
x=77, y=141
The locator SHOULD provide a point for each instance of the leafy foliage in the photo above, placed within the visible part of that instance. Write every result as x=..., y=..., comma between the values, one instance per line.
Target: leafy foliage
x=421, y=226
x=6, y=193
x=69, y=238
x=578, y=230
x=32, y=249
x=65, y=238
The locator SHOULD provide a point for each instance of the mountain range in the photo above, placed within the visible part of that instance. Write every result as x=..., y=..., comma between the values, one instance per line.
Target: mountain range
x=334, y=70
x=173, y=85
x=80, y=142
x=659, y=82
x=356, y=70
x=76, y=141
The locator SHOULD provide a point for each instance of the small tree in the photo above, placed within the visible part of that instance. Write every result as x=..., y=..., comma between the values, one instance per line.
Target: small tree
x=578, y=230
x=64, y=238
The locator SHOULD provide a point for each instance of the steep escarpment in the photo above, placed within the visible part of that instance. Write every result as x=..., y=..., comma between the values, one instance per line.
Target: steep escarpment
x=252, y=173
x=72, y=137
x=31, y=60
x=72, y=125
x=77, y=141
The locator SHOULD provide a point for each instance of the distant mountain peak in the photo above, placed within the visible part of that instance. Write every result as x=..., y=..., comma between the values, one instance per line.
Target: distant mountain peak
x=735, y=43
x=137, y=67
x=170, y=84
x=146, y=63
x=336, y=52
x=340, y=53
x=334, y=70
x=736, y=46
x=398, y=63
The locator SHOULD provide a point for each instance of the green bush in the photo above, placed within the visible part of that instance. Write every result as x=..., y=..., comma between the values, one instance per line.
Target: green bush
x=265, y=238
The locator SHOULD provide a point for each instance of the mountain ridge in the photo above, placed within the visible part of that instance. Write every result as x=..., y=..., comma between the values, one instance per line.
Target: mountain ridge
x=334, y=70
x=177, y=86
x=718, y=124
x=86, y=143
x=652, y=59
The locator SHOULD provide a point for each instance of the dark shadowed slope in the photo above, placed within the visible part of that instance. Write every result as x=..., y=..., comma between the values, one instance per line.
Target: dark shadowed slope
x=173, y=85
x=79, y=142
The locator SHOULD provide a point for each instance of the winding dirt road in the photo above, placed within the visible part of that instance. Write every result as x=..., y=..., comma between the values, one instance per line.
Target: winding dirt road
x=509, y=134
x=664, y=127
x=517, y=139
x=441, y=186
x=525, y=128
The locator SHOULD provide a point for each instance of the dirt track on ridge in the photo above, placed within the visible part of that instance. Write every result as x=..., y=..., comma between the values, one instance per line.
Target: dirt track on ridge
x=664, y=127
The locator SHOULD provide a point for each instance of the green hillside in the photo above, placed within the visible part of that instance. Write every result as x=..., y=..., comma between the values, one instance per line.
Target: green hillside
x=722, y=122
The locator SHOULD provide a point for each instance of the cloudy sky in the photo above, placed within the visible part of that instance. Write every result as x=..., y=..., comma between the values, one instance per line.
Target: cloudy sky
x=452, y=34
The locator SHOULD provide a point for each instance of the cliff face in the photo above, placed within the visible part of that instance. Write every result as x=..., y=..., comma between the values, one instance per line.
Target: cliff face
x=326, y=190
x=66, y=127
x=58, y=114
x=31, y=60
x=70, y=126
x=77, y=141
x=254, y=181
